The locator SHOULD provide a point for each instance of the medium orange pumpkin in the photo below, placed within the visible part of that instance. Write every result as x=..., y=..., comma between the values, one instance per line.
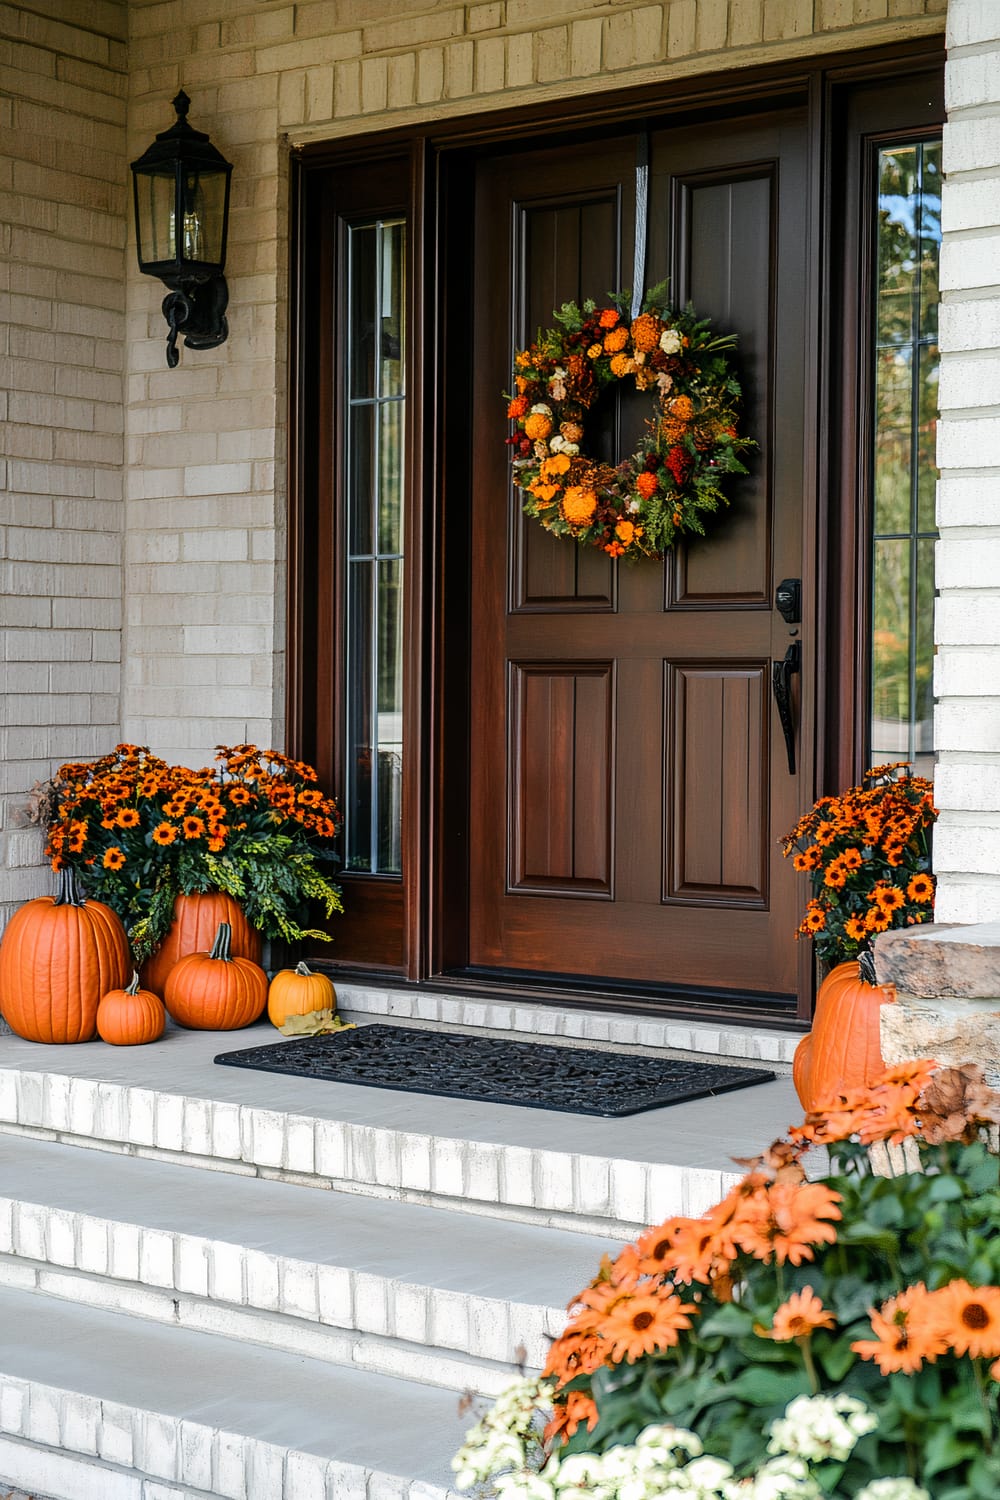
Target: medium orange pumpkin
x=299, y=992
x=130, y=1017
x=215, y=991
x=843, y=1051
x=58, y=956
x=196, y=921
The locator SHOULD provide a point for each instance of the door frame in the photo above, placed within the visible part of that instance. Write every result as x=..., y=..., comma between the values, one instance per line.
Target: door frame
x=430, y=905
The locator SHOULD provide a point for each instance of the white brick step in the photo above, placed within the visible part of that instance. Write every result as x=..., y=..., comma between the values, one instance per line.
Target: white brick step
x=527, y=1021
x=95, y=1405
x=597, y=1176
x=455, y=1300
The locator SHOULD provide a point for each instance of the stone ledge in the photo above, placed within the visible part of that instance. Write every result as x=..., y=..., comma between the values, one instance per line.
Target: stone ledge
x=962, y=962
x=951, y=1030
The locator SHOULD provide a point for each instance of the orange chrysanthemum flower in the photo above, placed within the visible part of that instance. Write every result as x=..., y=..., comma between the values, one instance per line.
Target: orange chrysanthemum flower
x=903, y=1340
x=609, y=317
x=627, y=531
x=114, y=858
x=682, y=408
x=968, y=1318
x=787, y=1220
x=518, y=407
x=647, y=484
x=164, y=833
x=646, y=332
x=578, y=505
x=577, y=1409
x=921, y=888
x=575, y=1353
x=554, y=466
x=800, y=1316
x=644, y=1324
x=622, y=364
x=615, y=340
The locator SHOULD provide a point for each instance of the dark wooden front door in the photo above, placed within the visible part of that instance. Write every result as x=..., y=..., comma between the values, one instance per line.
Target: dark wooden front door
x=629, y=778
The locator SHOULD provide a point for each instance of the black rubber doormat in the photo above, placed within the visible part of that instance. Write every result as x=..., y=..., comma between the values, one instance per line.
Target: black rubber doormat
x=536, y=1075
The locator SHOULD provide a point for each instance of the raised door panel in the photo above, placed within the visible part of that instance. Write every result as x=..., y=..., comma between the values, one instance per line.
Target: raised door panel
x=717, y=764
x=562, y=774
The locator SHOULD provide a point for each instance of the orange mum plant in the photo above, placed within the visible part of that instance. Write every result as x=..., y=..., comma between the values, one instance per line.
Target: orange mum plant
x=796, y=1305
x=867, y=854
x=139, y=831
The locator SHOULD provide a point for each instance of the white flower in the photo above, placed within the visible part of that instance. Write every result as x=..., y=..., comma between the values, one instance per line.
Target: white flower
x=708, y=1473
x=818, y=1427
x=557, y=443
x=670, y=341
x=634, y=505
x=524, y=1486
x=893, y=1489
x=541, y=409
x=784, y=1478
x=570, y=449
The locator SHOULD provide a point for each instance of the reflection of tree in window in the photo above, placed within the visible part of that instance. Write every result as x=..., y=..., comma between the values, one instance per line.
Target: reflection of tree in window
x=373, y=467
x=906, y=381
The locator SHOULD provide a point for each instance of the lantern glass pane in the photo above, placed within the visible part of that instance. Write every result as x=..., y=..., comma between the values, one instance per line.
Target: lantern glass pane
x=204, y=202
x=155, y=198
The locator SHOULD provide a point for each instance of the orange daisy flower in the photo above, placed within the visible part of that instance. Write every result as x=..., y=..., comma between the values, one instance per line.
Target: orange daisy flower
x=239, y=796
x=900, y=1344
x=855, y=928
x=787, y=1220
x=114, y=858
x=921, y=888
x=574, y=1354
x=193, y=828
x=800, y=1316
x=644, y=1324
x=577, y=1409
x=164, y=833
x=968, y=1317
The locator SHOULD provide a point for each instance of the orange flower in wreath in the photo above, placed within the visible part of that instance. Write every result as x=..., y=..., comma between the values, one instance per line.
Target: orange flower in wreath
x=647, y=484
x=578, y=505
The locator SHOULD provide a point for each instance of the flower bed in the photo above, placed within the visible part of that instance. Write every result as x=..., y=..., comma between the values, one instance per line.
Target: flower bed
x=805, y=1338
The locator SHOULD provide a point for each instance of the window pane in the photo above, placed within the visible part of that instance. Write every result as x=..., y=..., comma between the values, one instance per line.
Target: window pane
x=360, y=737
x=903, y=472
x=373, y=466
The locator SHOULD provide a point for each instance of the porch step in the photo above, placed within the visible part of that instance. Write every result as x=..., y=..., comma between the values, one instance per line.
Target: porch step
x=593, y=1027
x=95, y=1405
x=391, y=1287
x=260, y=1287
x=600, y=1176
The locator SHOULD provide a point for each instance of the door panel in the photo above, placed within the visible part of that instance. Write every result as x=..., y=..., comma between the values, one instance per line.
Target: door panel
x=626, y=803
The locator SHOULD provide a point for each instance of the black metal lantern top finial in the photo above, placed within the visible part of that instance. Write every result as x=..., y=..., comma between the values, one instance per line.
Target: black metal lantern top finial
x=181, y=187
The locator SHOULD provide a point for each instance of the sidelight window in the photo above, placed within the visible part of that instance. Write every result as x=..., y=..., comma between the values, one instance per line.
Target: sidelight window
x=904, y=474
x=373, y=586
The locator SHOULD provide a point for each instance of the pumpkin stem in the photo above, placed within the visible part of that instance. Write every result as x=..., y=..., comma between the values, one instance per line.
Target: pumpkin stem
x=223, y=945
x=68, y=892
x=303, y=969
x=132, y=988
x=866, y=966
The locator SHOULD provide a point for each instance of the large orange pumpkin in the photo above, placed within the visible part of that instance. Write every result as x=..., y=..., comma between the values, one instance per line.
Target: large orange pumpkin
x=214, y=991
x=843, y=1051
x=299, y=992
x=130, y=1017
x=59, y=955
x=196, y=921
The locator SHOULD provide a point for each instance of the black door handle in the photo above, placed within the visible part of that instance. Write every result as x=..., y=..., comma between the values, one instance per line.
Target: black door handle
x=781, y=682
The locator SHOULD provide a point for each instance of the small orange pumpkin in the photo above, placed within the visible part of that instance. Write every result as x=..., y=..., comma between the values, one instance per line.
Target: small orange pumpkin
x=59, y=955
x=196, y=921
x=299, y=992
x=130, y=1017
x=215, y=991
x=843, y=1051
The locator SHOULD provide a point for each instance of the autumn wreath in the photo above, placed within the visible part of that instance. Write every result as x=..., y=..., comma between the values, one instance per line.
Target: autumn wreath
x=673, y=481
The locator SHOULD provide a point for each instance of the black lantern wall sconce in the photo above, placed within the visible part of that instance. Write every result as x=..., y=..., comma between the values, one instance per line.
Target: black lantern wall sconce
x=181, y=187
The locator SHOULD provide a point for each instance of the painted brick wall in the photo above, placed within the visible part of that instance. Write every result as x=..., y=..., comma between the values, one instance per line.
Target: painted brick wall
x=967, y=679
x=62, y=236
x=205, y=527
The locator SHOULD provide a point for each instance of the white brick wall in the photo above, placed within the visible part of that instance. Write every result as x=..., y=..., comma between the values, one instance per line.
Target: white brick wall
x=967, y=626
x=62, y=236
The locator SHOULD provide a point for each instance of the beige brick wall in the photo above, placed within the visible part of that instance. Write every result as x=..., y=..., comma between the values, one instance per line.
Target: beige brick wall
x=62, y=327
x=205, y=480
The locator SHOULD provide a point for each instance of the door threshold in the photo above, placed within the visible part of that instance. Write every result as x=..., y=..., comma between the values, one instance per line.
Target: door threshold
x=562, y=992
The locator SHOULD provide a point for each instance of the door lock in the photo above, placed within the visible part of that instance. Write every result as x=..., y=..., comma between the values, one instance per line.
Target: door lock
x=788, y=600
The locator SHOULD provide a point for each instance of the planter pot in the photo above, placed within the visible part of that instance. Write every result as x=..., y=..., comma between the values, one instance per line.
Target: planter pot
x=843, y=1050
x=196, y=922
